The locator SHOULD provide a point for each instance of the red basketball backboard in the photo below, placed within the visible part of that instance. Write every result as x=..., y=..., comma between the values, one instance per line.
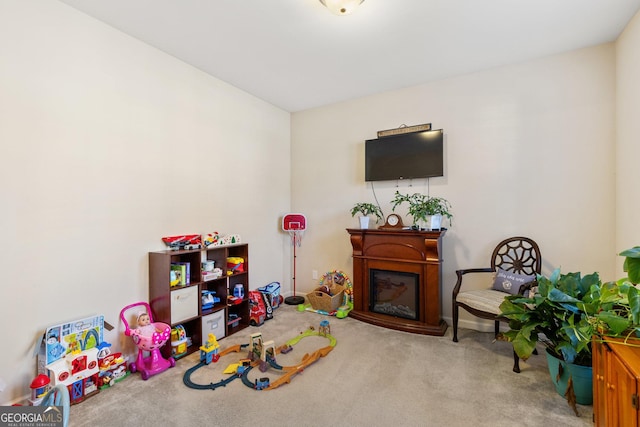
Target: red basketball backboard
x=294, y=222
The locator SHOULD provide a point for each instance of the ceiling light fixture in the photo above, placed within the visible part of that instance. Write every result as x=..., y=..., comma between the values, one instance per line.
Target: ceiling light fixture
x=341, y=7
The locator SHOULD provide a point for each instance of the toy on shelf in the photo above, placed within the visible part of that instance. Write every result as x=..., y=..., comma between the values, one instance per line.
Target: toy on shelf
x=216, y=273
x=148, y=339
x=214, y=239
x=229, y=239
x=209, y=270
x=234, y=320
x=210, y=239
x=175, y=277
x=209, y=299
x=235, y=265
x=188, y=241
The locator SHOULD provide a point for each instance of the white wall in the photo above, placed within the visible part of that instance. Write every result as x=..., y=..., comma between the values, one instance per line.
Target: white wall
x=628, y=146
x=529, y=151
x=108, y=145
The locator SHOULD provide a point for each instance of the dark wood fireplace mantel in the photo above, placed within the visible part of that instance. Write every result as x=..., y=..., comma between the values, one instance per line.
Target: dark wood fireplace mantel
x=407, y=251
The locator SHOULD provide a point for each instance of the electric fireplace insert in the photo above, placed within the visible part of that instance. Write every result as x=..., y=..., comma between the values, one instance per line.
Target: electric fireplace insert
x=394, y=293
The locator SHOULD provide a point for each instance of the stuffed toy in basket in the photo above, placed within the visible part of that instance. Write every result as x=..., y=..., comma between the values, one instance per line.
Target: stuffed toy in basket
x=330, y=294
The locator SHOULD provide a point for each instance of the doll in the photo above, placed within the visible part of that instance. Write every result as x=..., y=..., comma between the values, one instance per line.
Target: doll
x=145, y=328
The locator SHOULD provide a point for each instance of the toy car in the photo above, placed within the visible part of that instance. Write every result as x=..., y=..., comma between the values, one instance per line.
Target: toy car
x=189, y=241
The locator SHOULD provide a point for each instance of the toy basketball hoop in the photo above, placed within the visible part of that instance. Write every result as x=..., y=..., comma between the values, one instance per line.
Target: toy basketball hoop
x=295, y=224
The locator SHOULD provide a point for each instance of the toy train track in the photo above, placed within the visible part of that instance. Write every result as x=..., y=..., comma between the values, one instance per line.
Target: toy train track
x=186, y=379
x=263, y=383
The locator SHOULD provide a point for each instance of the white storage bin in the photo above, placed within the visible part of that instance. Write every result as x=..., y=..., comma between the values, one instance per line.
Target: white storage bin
x=184, y=304
x=213, y=324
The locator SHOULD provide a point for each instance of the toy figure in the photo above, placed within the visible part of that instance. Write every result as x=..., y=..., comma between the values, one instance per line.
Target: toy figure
x=145, y=328
x=54, y=348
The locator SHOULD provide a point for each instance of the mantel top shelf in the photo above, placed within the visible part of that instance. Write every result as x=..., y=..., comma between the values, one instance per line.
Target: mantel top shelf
x=402, y=232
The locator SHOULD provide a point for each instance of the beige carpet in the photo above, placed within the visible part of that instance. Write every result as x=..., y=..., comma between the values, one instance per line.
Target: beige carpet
x=373, y=377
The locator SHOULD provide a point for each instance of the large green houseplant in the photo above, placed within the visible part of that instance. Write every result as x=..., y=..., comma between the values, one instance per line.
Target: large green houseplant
x=621, y=316
x=568, y=310
x=632, y=263
x=558, y=314
x=421, y=207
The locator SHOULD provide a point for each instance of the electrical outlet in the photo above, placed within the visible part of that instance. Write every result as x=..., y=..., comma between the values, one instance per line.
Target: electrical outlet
x=314, y=274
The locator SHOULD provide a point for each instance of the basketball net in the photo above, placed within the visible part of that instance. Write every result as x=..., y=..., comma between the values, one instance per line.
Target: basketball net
x=296, y=237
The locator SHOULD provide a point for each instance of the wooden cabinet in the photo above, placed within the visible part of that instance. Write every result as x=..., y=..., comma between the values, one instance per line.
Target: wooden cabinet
x=616, y=377
x=183, y=304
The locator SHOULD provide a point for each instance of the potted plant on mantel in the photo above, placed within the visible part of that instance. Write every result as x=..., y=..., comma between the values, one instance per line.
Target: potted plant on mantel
x=425, y=210
x=565, y=313
x=366, y=209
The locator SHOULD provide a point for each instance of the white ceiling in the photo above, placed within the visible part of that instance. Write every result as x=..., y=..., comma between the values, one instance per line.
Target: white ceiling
x=296, y=55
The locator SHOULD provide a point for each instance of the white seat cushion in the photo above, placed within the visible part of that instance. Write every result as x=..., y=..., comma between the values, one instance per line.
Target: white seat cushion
x=488, y=300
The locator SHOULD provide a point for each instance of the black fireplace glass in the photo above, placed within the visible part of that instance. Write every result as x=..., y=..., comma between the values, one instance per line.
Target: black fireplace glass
x=394, y=293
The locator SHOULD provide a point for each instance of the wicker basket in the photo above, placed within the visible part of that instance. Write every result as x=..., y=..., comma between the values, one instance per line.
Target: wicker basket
x=322, y=301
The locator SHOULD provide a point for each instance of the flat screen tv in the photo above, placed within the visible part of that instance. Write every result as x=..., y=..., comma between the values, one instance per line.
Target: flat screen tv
x=406, y=156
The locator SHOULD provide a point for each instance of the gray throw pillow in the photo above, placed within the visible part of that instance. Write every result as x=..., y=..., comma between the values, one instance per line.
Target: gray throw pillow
x=509, y=282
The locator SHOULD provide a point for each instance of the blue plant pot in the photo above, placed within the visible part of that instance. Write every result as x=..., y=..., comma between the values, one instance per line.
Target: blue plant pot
x=582, y=379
